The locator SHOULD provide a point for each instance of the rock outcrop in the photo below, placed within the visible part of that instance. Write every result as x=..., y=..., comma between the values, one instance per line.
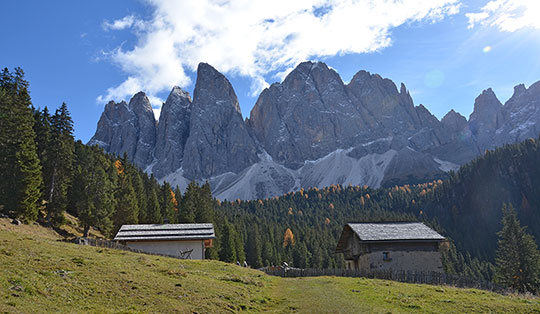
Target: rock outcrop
x=128, y=128
x=218, y=139
x=172, y=132
x=486, y=118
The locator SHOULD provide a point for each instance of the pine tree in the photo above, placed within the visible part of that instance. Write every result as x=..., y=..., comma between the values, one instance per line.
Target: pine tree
x=204, y=211
x=58, y=169
x=189, y=204
x=268, y=254
x=20, y=168
x=92, y=192
x=300, y=255
x=239, y=244
x=228, y=249
x=153, y=211
x=254, y=248
x=168, y=209
x=42, y=128
x=126, y=209
x=138, y=186
x=517, y=260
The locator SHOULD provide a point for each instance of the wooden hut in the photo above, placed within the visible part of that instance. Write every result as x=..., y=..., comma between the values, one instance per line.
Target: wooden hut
x=408, y=246
x=182, y=240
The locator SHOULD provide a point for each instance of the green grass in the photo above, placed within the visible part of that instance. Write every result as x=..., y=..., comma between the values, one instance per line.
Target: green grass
x=39, y=275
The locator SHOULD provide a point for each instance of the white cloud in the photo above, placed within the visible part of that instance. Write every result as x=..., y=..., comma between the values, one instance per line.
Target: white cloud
x=123, y=23
x=252, y=38
x=508, y=15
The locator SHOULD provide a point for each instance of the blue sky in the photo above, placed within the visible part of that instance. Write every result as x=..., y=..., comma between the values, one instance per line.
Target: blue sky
x=85, y=53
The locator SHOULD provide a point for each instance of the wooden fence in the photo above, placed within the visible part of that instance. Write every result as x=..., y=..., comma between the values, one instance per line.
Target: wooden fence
x=421, y=277
x=114, y=245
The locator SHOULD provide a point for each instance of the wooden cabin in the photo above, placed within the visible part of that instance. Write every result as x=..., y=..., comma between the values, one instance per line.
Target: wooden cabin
x=187, y=241
x=407, y=246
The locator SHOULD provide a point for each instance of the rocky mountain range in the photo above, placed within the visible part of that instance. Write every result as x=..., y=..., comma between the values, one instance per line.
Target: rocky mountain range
x=310, y=130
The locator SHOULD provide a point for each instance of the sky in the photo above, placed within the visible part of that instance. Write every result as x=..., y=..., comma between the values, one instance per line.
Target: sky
x=86, y=53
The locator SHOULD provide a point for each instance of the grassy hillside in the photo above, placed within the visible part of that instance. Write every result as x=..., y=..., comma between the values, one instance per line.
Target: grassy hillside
x=41, y=274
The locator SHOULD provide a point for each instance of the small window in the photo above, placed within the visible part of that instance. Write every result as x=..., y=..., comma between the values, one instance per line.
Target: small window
x=386, y=256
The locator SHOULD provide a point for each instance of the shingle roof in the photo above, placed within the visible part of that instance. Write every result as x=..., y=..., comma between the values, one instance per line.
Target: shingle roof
x=390, y=232
x=394, y=231
x=165, y=232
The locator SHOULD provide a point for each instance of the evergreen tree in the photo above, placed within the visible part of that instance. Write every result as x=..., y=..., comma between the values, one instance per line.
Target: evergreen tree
x=138, y=187
x=42, y=128
x=300, y=255
x=20, y=169
x=58, y=169
x=317, y=259
x=126, y=209
x=189, y=204
x=239, y=244
x=92, y=192
x=254, y=248
x=268, y=254
x=517, y=260
x=153, y=213
x=228, y=249
x=204, y=211
x=168, y=206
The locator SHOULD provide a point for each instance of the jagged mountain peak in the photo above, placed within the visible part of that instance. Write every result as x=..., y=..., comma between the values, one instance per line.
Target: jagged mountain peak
x=211, y=85
x=310, y=73
x=218, y=139
x=521, y=92
x=128, y=128
x=172, y=132
x=486, y=105
x=140, y=101
x=487, y=98
x=519, y=89
x=179, y=96
x=403, y=90
x=112, y=105
x=366, y=83
x=454, y=121
x=360, y=76
x=452, y=115
x=178, y=91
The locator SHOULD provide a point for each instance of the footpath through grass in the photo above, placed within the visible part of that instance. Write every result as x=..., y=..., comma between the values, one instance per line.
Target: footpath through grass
x=44, y=275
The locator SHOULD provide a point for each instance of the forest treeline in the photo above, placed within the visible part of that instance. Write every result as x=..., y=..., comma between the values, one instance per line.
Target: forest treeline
x=46, y=172
x=466, y=208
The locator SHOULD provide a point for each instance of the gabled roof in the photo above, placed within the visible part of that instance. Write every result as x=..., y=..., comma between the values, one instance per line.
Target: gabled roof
x=165, y=232
x=388, y=232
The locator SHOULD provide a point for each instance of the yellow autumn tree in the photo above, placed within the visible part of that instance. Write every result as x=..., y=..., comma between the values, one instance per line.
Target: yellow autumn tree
x=173, y=200
x=119, y=167
x=288, y=238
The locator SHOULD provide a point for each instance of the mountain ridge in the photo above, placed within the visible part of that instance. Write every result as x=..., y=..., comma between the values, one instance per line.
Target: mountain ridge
x=312, y=129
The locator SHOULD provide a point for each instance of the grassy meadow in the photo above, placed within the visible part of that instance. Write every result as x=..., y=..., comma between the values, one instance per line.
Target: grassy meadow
x=39, y=273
